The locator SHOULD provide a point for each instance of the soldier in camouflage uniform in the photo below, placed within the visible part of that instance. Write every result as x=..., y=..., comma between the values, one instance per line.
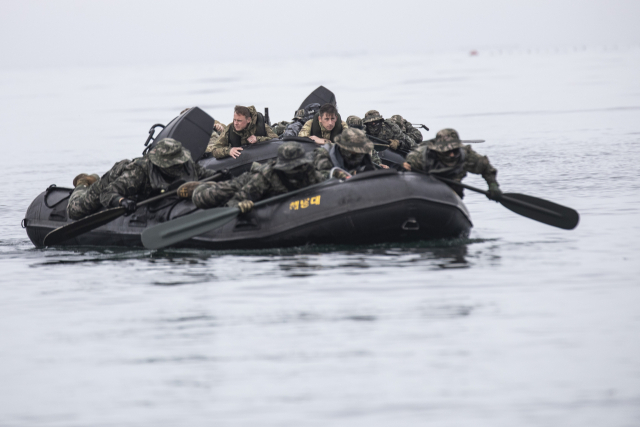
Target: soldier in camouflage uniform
x=248, y=127
x=376, y=125
x=291, y=171
x=130, y=181
x=325, y=126
x=301, y=117
x=408, y=129
x=355, y=122
x=218, y=130
x=446, y=156
x=280, y=127
x=351, y=152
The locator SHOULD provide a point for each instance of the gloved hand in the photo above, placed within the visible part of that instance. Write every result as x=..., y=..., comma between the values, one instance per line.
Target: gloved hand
x=340, y=174
x=185, y=191
x=393, y=144
x=245, y=206
x=494, y=192
x=128, y=205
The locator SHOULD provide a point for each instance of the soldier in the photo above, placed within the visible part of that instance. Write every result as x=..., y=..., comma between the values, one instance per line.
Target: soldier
x=351, y=152
x=218, y=130
x=325, y=125
x=292, y=170
x=280, y=127
x=248, y=127
x=129, y=181
x=408, y=129
x=301, y=117
x=376, y=125
x=355, y=122
x=445, y=156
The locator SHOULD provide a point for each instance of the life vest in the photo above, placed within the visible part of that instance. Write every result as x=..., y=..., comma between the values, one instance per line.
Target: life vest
x=316, y=130
x=236, y=141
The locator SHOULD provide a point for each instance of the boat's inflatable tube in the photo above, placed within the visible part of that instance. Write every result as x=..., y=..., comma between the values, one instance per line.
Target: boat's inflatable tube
x=373, y=207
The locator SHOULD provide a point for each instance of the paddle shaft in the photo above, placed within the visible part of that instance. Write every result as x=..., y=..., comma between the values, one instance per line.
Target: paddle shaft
x=505, y=198
x=380, y=141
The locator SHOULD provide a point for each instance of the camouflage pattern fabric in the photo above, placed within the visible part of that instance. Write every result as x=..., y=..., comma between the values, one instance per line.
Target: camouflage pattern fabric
x=390, y=130
x=446, y=140
x=268, y=182
x=141, y=179
x=215, y=194
x=86, y=200
x=168, y=152
x=372, y=116
x=290, y=156
x=221, y=147
x=326, y=134
x=408, y=129
x=473, y=163
x=355, y=122
x=280, y=127
x=301, y=117
x=354, y=140
x=214, y=137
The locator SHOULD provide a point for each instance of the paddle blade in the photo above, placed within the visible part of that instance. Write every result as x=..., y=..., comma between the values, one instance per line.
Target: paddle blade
x=82, y=226
x=186, y=227
x=541, y=210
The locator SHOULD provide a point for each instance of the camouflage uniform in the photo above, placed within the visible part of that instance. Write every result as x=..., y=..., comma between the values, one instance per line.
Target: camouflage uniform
x=355, y=122
x=280, y=127
x=388, y=131
x=351, y=152
x=408, y=129
x=292, y=170
x=425, y=159
x=300, y=118
x=214, y=136
x=326, y=134
x=221, y=147
x=213, y=194
x=86, y=200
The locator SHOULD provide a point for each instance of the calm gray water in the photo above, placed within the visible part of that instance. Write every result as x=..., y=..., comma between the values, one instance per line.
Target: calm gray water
x=520, y=325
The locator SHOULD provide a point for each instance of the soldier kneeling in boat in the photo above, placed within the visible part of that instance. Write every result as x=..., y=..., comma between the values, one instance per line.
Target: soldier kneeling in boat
x=248, y=127
x=292, y=170
x=325, y=126
x=446, y=156
x=128, y=181
x=408, y=129
x=351, y=153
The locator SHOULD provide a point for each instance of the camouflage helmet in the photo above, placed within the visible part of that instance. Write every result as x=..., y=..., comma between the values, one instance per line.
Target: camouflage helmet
x=291, y=155
x=372, y=116
x=446, y=140
x=354, y=140
x=400, y=121
x=354, y=122
x=169, y=152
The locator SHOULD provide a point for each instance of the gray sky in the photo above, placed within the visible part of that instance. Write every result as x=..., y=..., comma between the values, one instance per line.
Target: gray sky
x=115, y=32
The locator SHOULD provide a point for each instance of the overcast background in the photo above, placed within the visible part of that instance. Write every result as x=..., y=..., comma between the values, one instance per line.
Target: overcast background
x=121, y=32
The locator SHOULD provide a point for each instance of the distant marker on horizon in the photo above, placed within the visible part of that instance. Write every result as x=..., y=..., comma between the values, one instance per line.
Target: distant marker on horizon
x=473, y=53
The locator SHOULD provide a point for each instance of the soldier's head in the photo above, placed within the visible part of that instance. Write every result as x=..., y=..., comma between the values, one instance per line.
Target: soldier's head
x=293, y=163
x=353, y=145
x=400, y=121
x=241, y=118
x=170, y=156
x=354, y=122
x=373, y=122
x=448, y=146
x=328, y=116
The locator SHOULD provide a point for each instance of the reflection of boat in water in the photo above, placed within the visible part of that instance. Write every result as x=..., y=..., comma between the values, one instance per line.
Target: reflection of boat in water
x=373, y=207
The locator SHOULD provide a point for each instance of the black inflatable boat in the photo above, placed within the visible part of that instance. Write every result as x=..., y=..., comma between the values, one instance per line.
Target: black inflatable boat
x=373, y=207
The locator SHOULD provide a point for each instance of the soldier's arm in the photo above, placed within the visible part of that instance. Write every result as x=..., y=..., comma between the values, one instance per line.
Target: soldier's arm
x=344, y=125
x=270, y=134
x=306, y=129
x=475, y=163
x=129, y=184
x=416, y=159
x=203, y=173
x=255, y=190
x=322, y=162
x=221, y=147
x=414, y=133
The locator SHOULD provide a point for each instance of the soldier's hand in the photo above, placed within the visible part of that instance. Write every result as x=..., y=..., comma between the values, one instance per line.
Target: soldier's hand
x=245, y=206
x=383, y=166
x=494, y=192
x=218, y=127
x=235, y=152
x=128, y=205
x=393, y=144
x=252, y=139
x=317, y=140
x=407, y=166
x=185, y=191
x=340, y=174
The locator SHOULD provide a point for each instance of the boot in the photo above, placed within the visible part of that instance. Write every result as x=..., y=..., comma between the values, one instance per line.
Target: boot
x=84, y=179
x=185, y=191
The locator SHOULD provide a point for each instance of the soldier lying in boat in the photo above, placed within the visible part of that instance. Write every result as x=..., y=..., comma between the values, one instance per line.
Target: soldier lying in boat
x=351, y=152
x=325, y=125
x=248, y=127
x=445, y=156
x=140, y=178
x=292, y=170
x=376, y=125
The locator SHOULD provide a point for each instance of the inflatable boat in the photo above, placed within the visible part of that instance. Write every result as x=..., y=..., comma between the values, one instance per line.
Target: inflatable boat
x=371, y=207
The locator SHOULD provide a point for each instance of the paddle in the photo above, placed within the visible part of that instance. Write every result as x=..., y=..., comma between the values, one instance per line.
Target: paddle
x=531, y=207
x=197, y=223
x=98, y=219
